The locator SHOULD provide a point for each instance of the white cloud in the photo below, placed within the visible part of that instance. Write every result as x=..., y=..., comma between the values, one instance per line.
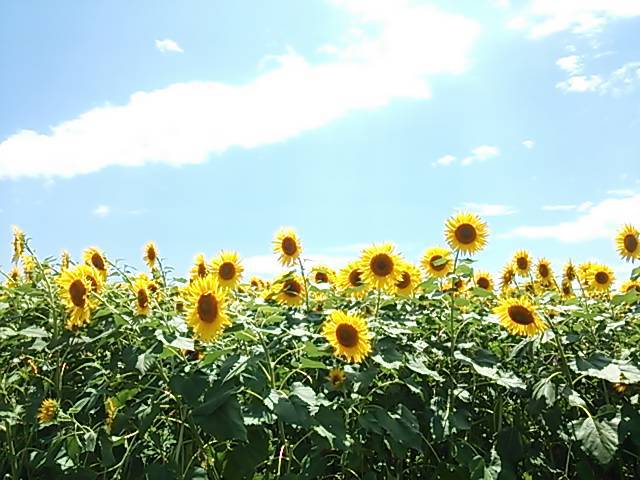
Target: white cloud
x=621, y=192
x=570, y=64
x=480, y=154
x=490, y=210
x=168, y=45
x=581, y=83
x=101, y=211
x=621, y=81
x=529, y=144
x=185, y=123
x=444, y=161
x=597, y=221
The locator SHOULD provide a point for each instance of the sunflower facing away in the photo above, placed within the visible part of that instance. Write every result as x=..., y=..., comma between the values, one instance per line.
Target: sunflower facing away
x=522, y=263
x=206, y=314
x=565, y=288
x=483, y=280
x=336, y=377
x=150, y=254
x=380, y=266
x=351, y=279
x=600, y=278
x=544, y=273
x=410, y=280
x=628, y=242
x=94, y=257
x=507, y=277
x=569, y=271
x=322, y=274
x=75, y=288
x=289, y=290
x=348, y=335
x=142, y=295
x=286, y=245
x=227, y=269
x=47, y=411
x=17, y=243
x=199, y=269
x=519, y=317
x=466, y=233
x=437, y=262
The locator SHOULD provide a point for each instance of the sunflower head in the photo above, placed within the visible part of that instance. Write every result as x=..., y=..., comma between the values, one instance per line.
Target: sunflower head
x=351, y=280
x=256, y=283
x=289, y=290
x=569, y=271
x=94, y=277
x=544, y=273
x=630, y=285
x=227, y=269
x=150, y=254
x=600, y=278
x=466, y=233
x=47, y=411
x=522, y=263
x=17, y=243
x=65, y=260
x=566, y=288
x=380, y=266
x=336, y=377
x=142, y=294
x=322, y=274
x=206, y=304
x=519, y=317
x=628, y=242
x=410, y=279
x=437, y=262
x=286, y=245
x=199, y=268
x=484, y=281
x=29, y=264
x=94, y=257
x=348, y=335
x=507, y=277
x=75, y=289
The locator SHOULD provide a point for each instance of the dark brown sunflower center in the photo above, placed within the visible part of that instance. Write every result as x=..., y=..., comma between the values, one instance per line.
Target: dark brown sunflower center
x=94, y=283
x=289, y=246
x=336, y=378
x=153, y=288
x=202, y=269
x=207, y=308
x=458, y=284
x=483, y=282
x=507, y=277
x=227, y=271
x=466, y=233
x=151, y=254
x=630, y=243
x=632, y=287
x=97, y=261
x=439, y=266
x=78, y=293
x=520, y=315
x=405, y=281
x=292, y=288
x=523, y=263
x=566, y=289
x=355, y=278
x=255, y=284
x=143, y=298
x=347, y=335
x=602, y=278
x=15, y=275
x=322, y=277
x=381, y=265
x=543, y=270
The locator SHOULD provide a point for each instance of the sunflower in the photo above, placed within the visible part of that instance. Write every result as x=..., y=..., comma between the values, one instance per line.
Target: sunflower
x=65, y=260
x=256, y=283
x=569, y=271
x=14, y=276
x=150, y=254
x=289, y=290
x=437, y=262
x=410, y=279
x=17, y=243
x=75, y=288
x=351, y=279
x=47, y=411
x=544, y=274
x=141, y=292
x=286, y=245
x=628, y=242
x=507, y=277
x=583, y=273
x=349, y=335
x=94, y=277
x=28, y=265
x=600, y=278
x=566, y=288
x=458, y=284
x=227, y=269
x=630, y=285
x=94, y=257
x=519, y=317
x=483, y=280
x=199, y=269
x=380, y=266
x=466, y=233
x=110, y=408
x=322, y=274
x=336, y=377
x=522, y=263
x=206, y=303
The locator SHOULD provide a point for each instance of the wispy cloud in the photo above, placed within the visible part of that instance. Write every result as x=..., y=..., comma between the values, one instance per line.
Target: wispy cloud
x=529, y=144
x=480, y=154
x=168, y=45
x=570, y=64
x=444, y=161
x=490, y=210
x=581, y=83
x=580, y=207
x=101, y=211
x=185, y=123
x=621, y=81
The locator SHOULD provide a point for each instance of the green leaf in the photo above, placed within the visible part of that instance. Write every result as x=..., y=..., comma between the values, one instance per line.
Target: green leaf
x=215, y=397
x=243, y=459
x=599, y=438
x=331, y=426
x=501, y=377
x=144, y=362
x=34, y=332
x=419, y=365
x=599, y=366
x=546, y=389
x=308, y=363
x=304, y=393
x=189, y=387
x=225, y=422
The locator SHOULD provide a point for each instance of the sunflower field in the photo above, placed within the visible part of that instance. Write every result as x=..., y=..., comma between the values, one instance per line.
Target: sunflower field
x=383, y=369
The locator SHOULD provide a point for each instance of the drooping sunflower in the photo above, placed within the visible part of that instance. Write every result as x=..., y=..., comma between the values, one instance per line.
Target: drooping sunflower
x=410, y=279
x=206, y=304
x=351, y=280
x=466, y=233
x=199, y=269
x=544, y=273
x=507, y=277
x=322, y=274
x=47, y=411
x=336, y=377
x=628, y=242
x=522, y=263
x=75, y=288
x=630, y=285
x=569, y=271
x=600, y=278
x=483, y=280
x=348, y=335
x=65, y=260
x=380, y=266
x=227, y=269
x=142, y=295
x=150, y=254
x=519, y=317
x=94, y=257
x=286, y=245
x=17, y=243
x=437, y=262
x=289, y=290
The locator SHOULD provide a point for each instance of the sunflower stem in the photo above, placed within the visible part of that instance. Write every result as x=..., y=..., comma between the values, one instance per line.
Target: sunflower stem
x=378, y=304
x=306, y=284
x=453, y=295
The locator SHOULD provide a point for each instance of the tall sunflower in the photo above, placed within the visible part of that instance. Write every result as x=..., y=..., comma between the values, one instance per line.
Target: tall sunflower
x=286, y=245
x=380, y=266
x=466, y=233
x=507, y=277
x=351, y=280
x=199, y=269
x=75, y=288
x=348, y=335
x=322, y=274
x=522, y=263
x=17, y=243
x=483, y=280
x=600, y=278
x=227, y=269
x=519, y=317
x=410, y=280
x=628, y=242
x=94, y=257
x=544, y=273
x=289, y=290
x=142, y=295
x=437, y=262
x=150, y=254
x=206, y=305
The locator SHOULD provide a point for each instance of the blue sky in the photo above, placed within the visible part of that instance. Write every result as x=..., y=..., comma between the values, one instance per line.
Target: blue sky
x=207, y=125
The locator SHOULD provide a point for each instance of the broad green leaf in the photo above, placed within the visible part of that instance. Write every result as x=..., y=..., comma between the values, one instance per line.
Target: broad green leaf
x=599, y=366
x=501, y=377
x=243, y=459
x=598, y=437
x=225, y=422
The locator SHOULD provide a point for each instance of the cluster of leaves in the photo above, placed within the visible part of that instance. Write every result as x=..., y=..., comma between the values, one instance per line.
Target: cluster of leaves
x=446, y=393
